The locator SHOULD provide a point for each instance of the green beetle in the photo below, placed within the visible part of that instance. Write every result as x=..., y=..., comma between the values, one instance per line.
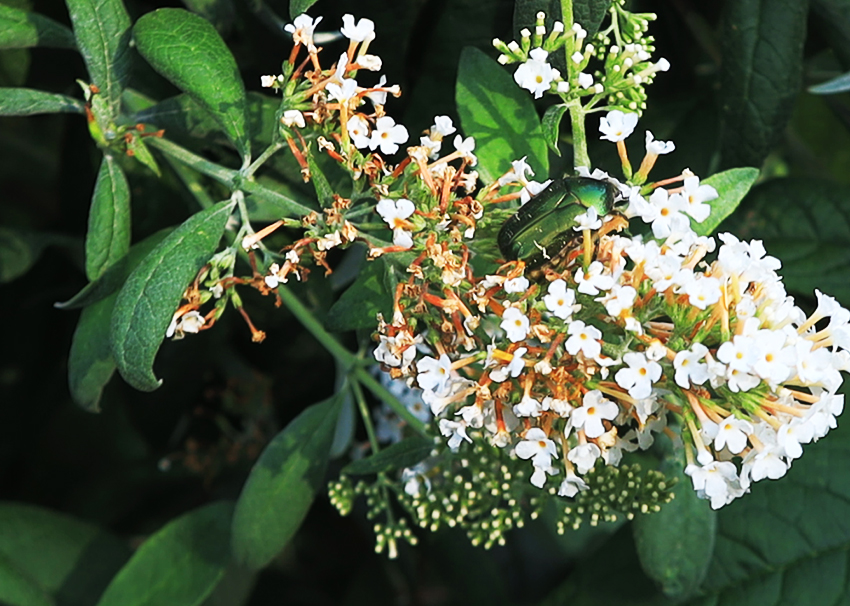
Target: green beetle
x=543, y=227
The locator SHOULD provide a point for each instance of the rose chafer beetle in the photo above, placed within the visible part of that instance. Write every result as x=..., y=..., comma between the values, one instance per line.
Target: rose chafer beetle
x=543, y=227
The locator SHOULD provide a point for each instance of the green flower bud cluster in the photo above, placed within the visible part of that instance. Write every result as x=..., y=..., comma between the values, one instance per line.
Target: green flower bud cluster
x=484, y=491
x=613, y=492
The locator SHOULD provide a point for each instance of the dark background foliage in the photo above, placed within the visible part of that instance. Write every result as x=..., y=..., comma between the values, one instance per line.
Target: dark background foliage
x=734, y=97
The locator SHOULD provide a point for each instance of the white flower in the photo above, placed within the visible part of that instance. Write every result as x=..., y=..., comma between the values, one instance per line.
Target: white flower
x=740, y=353
x=190, y=322
x=695, y=196
x=537, y=447
x=293, y=117
x=584, y=456
x=517, y=174
x=434, y=375
x=732, y=433
x=616, y=126
x=560, y=300
x=442, y=127
x=588, y=220
x=371, y=62
x=618, y=299
x=343, y=93
x=585, y=80
x=535, y=75
x=594, y=280
x=415, y=480
x=455, y=431
x=388, y=135
x=702, y=291
x=398, y=351
x=791, y=435
x=774, y=361
x=302, y=29
x=668, y=213
x=270, y=81
x=689, y=368
x=465, y=147
x=472, y=415
x=515, y=324
x=571, y=485
x=768, y=464
x=517, y=363
x=715, y=481
x=638, y=378
x=584, y=338
x=658, y=148
x=516, y=285
x=528, y=407
x=395, y=213
x=594, y=409
x=364, y=30
x=358, y=130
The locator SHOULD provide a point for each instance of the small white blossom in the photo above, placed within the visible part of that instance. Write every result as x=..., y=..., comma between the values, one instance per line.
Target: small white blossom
x=535, y=75
x=434, y=375
x=358, y=130
x=588, y=220
x=560, y=300
x=293, y=117
x=395, y=214
x=689, y=366
x=364, y=30
x=516, y=285
x=732, y=434
x=594, y=409
x=465, y=147
x=658, y=148
x=515, y=324
x=584, y=456
x=583, y=338
x=387, y=135
x=616, y=126
x=638, y=378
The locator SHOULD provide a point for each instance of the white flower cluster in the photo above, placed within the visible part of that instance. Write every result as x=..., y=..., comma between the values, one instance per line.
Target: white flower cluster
x=717, y=343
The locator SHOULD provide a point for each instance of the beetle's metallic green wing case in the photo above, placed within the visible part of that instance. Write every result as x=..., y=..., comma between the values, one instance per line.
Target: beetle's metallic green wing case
x=540, y=229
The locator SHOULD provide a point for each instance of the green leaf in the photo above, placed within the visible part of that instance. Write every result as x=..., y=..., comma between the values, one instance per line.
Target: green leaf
x=18, y=252
x=116, y=275
x=500, y=116
x=108, y=236
x=833, y=19
x=552, y=124
x=324, y=191
x=406, y=453
x=590, y=13
x=731, y=185
x=298, y=7
x=186, y=50
x=50, y=558
x=29, y=102
x=839, y=84
x=591, y=582
x=370, y=294
x=221, y=13
x=675, y=544
x=152, y=293
x=22, y=29
x=282, y=484
x=180, y=565
x=102, y=29
x=90, y=362
x=762, y=70
x=804, y=222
